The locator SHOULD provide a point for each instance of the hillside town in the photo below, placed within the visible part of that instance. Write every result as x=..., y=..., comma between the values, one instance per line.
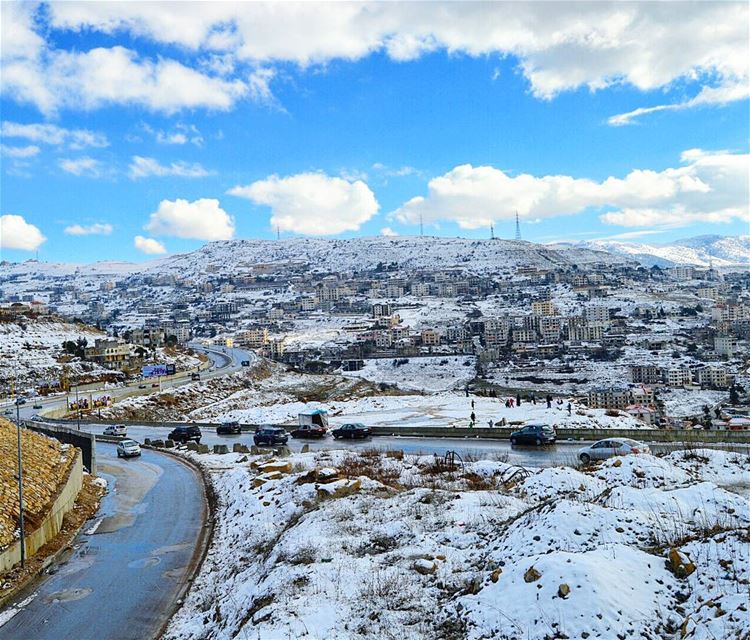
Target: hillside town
x=607, y=332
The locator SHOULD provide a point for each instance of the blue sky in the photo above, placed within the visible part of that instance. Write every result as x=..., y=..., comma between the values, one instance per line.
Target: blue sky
x=125, y=136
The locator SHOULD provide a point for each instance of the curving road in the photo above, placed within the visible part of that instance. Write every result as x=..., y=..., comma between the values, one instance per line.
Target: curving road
x=128, y=566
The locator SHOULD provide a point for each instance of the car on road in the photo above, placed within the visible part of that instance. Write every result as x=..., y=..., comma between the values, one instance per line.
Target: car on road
x=228, y=428
x=351, y=431
x=270, y=436
x=36, y=406
x=128, y=449
x=245, y=363
x=185, y=434
x=141, y=386
x=8, y=412
x=195, y=376
x=20, y=401
x=611, y=447
x=116, y=430
x=536, y=434
x=310, y=431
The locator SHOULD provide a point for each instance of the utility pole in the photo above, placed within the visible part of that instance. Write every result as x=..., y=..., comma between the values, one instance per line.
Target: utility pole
x=278, y=233
x=78, y=408
x=20, y=479
x=492, y=231
x=421, y=226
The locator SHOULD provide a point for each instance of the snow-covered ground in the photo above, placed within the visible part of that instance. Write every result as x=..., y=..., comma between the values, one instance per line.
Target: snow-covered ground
x=434, y=373
x=352, y=546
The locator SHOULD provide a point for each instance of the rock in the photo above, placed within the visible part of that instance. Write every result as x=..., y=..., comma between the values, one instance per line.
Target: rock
x=157, y=443
x=617, y=463
x=274, y=465
x=679, y=563
x=238, y=447
x=169, y=444
x=339, y=488
x=242, y=459
x=202, y=448
x=262, y=479
x=283, y=451
x=192, y=446
x=305, y=448
x=495, y=575
x=425, y=567
x=259, y=451
x=327, y=474
x=531, y=575
x=563, y=590
x=221, y=449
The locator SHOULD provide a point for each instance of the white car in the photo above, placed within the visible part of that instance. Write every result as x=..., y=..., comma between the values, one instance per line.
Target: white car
x=611, y=447
x=116, y=430
x=128, y=449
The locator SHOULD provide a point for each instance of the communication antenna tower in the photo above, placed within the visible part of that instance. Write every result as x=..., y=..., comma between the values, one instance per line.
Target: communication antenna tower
x=492, y=231
x=421, y=225
x=518, y=227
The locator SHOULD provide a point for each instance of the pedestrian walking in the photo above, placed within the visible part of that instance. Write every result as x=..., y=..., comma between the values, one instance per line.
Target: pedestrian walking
x=549, y=401
x=570, y=408
x=490, y=423
x=518, y=399
x=472, y=405
x=473, y=418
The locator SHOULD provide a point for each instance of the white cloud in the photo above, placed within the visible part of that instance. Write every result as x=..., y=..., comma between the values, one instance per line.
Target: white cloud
x=559, y=46
x=53, y=135
x=96, y=229
x=388, y=232
x=710, y=187
x=148, y=245
x=29, y=151
x=180, y=134
x=16, y=233
x=141, y=167
x=313, y=203
x=399, y=172
x=84, y=166
x=202, y=219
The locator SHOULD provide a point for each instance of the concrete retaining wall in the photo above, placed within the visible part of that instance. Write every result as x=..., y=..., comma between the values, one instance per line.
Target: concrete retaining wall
x=84, y=441
x=52, y=522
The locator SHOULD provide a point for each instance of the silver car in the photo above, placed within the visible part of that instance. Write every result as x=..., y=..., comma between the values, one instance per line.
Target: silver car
x=611, y=447
x=128, y=449
x=116, y=430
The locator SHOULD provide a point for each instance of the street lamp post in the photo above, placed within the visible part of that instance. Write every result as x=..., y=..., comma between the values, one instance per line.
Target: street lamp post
x=78, y=409
x=20, y=479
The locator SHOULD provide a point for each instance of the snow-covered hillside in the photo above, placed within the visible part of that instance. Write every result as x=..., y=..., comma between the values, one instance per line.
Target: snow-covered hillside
x=354, y=546
x=409, y=253
x=722, y=251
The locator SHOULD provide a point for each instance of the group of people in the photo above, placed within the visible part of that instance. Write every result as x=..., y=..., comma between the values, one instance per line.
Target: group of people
x=512, y=402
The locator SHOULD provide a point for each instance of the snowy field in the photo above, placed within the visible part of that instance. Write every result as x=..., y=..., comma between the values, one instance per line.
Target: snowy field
x=434, y=373
x=352, y=546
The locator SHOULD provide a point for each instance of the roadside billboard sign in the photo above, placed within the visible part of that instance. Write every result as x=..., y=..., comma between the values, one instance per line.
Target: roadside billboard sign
x=154, y=370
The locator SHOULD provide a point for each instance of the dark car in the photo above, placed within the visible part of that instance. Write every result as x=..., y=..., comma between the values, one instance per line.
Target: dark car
x=310, y=431
x=195, y=376
x=352, y=430
x=245, y=363
x=154, y=384
x=37, y=406
x=270, y=435
x=141, y=386
x=228, y=428
x=20, y=401
x=536, y=434
x=186, y=433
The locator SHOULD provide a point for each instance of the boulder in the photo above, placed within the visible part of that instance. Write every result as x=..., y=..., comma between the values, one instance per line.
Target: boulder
x=679, y=563
x=495, y=575
x=192, y=446
x=617, y=463
x=282, y=452
x=238, y=447
x=531, y=575
x=305, y=448
x=169, y=444
x=563, y=590
x=425, y=567
x=262, y=479
x=203, y=448
x=339, y=488
x=147, y=441
x=221, y=449
x=157, y=443
x=274, y=465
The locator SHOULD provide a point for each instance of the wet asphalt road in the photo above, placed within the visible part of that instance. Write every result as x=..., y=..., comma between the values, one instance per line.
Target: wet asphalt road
x=120, y=582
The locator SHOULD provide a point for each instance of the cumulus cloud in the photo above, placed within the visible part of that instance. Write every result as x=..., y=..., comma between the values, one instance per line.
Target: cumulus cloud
x=96, y=229
x=388, y=232
x=141, y=167
x=16, y=233
x=202, y=219
x=710, y=187
x=28, y=151
x=312, y=203
x=148, y=245
x=53, y=135
x=84, y=166
x=558, y=46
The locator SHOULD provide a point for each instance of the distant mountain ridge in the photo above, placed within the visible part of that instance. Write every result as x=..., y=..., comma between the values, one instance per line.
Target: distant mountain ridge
x=409, y=252
x=721, y=251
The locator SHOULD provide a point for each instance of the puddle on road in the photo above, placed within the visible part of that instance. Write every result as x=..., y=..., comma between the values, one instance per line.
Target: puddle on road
x=138, y=478
x=170, y=548
x=175, y=574
x=67, y=595
x=142, y=563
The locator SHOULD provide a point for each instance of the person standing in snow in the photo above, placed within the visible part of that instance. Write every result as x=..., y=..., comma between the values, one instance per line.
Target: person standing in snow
x=549, y=401
x=570, y=408
x=533, y=398
x=518, y=399
x=490, y=423
x=472, y=405
x=473, y=419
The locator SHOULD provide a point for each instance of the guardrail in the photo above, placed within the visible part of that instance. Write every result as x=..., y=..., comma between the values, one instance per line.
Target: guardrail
x=496, y=433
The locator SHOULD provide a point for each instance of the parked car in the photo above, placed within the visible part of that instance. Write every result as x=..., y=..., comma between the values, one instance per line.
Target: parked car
x=154, y=385
x=228, y=428
x=128, y=449
x=141, y=386
x=351, y=431
x=20, y=400
x=536, y=434
x=245, y=363
x=116, y=430
x=310, y=431
x=8, y=412
x=270, y=436
x=36, y=406
x=195, y=376
x=186, y=433
x=611, y=447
